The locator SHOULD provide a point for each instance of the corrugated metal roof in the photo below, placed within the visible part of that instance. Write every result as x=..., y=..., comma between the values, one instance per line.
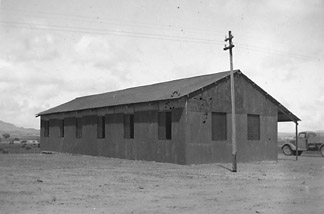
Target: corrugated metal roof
x=160, y=91
x=155, y=92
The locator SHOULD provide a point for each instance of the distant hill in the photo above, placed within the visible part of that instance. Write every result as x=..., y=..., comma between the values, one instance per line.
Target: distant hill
x=16, y=131
x=285, y=135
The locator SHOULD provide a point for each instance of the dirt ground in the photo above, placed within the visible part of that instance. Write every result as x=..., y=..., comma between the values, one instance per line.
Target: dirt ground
x=65, y=183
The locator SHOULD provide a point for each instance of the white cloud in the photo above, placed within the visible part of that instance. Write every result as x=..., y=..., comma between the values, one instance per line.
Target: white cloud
x=43, y=68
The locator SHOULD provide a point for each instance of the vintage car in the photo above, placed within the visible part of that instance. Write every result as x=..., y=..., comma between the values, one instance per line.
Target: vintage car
x=307, y=141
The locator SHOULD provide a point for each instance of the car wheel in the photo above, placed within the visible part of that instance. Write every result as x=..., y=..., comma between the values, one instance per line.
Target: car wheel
x=286, y=149
x=322, y=150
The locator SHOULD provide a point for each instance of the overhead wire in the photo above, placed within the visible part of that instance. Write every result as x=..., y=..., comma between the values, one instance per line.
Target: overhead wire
x=99, y=20
x=102, y=31
x=277, y=52
x=61, y=28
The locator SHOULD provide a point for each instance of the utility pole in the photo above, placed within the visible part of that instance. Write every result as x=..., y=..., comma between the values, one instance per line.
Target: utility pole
x=230, y=47
x=296, y=140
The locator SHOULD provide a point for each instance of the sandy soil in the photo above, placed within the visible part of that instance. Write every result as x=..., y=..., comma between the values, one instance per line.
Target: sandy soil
x=64, y=183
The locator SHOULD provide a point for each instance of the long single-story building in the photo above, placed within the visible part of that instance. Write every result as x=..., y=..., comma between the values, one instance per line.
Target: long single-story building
x=185, y=121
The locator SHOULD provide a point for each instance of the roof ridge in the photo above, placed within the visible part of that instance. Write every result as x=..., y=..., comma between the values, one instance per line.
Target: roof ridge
x=173, y=89
x=158, y=83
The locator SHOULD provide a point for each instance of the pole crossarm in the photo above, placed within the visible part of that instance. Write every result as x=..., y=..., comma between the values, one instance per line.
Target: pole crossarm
x=228, y=47
x=230, y=37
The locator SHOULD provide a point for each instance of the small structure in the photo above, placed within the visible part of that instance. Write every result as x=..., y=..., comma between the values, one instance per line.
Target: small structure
x=185, y=121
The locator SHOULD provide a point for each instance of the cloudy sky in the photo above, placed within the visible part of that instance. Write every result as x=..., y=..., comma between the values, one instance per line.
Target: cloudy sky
x=52, y=51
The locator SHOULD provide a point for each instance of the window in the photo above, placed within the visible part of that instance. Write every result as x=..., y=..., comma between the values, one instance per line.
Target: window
x=165, y=126
x=129, y=126
x=46, y=128
x=101, y=124
x=302, y=135
x=61, y=126
x=219, y=126
x=253, y=127
x=78, y=130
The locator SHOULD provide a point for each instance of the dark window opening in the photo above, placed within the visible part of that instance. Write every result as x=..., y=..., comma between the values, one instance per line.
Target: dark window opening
x=165, y=126
x=129, y=126
x=219, y=126
x=78, y=132
x=46, y=128
x=101, y=124
x=61, y=128
x=302, y=135
x=253, y=127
